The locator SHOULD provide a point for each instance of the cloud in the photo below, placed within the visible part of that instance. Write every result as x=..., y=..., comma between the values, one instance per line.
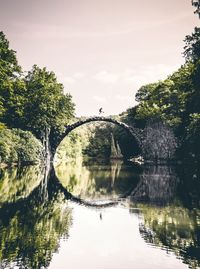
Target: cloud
x=114, y=91
x=106, y=77
x=70, y=79
x=137, y=76
x=45, y=30
x=99, y=99
x=148, y=74
x=65, y=79
x=79, y=75
x=124, y=98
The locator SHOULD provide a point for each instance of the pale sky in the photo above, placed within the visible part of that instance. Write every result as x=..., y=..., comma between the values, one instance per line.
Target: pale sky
x=101, y=50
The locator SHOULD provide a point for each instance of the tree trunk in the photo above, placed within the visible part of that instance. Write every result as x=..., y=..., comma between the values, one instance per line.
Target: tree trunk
x=48, y=156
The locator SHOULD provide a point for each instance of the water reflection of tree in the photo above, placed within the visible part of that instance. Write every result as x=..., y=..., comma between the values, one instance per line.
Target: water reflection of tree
x=157, y=185
x=97, y=181
x=166, y=223
x=30, y=229
x=174, y=228
x=189, y=186
x=18, y=183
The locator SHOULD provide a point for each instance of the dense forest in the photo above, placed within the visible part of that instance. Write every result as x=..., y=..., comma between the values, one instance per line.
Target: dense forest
x=34, y=108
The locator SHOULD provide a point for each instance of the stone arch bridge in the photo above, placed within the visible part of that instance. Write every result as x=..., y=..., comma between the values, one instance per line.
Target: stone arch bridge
x=134, y=132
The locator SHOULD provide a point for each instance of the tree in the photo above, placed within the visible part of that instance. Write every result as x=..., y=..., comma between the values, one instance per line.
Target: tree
x=19, y=146
x=166, y=99
x=8, y=62
x=35, y=102
x=99, y=142
x=191, y=135
x=192, y=46
x=12, y=86
x=176, y=101
x=47, y=109
x=144, y=93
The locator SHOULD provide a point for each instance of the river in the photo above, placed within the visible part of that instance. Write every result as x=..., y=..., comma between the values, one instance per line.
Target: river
x=111, y=215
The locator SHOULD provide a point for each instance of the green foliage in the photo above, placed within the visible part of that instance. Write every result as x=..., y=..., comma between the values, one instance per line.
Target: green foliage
x=46, y=104
x=192, y=46
x=175, y=101
x=92, y=180
x=71, y=147
x=2, y=126
x=35, y=102
x=99, y=142
x=90, y=140
x=166, y=99
x=192, y=135
x=98, y=139
x=12, y=86
x=8, y=62
x=18, y=183
x=19, y=146
x=145, y=92
x=175, y=228
x=33, y=227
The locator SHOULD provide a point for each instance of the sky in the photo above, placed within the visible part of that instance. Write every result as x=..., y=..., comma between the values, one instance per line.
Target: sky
x=103, y=51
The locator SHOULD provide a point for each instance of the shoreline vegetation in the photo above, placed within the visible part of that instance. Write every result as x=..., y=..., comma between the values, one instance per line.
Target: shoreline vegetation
x=19, y=147
x=34, y=111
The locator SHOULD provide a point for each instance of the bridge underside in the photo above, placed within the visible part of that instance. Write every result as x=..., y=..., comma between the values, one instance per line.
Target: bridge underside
x=134, y=132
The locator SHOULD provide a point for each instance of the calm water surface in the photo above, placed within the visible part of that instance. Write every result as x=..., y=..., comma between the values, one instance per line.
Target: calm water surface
x=100, y=216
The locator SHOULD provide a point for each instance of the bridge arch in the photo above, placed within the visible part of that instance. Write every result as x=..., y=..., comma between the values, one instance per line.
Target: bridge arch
x=134, y=132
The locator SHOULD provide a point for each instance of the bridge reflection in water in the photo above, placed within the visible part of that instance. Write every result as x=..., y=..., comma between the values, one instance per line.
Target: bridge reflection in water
x=37, y=210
